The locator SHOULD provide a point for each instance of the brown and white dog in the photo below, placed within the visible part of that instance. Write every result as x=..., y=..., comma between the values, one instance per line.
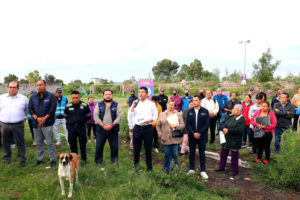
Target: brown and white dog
x=68, y=164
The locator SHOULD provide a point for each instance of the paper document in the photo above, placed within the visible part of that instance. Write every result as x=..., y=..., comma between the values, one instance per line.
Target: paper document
x=222, y=137
x=173, y=120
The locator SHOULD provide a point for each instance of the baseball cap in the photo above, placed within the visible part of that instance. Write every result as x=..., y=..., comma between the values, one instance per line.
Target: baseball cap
x=59, y=90
x=162, y=89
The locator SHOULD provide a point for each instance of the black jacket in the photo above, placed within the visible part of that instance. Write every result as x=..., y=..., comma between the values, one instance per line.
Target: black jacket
x=284, y=120
x=236, y=127
x=163, y=100
x=202, y=122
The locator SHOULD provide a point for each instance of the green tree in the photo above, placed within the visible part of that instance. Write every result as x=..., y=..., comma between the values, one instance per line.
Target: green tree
x=166, y=68
x=60, y=81
x=50, y=79
x=264, y=70
x=183, y=73
x=195, y=70
x=10, y=78
x=23, y=81
x=33, y=77
x=235, y=76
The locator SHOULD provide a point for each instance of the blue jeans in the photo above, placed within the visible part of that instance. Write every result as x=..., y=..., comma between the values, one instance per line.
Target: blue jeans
x=278, y=133
x=219, y=121
x=170, y=152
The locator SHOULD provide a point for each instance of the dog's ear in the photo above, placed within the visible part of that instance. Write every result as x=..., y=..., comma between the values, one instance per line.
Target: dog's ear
x=58, y=156
x=71, y=156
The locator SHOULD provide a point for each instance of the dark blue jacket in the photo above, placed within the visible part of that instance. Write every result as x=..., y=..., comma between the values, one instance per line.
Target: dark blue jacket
x=185, y=102
x=43, y=106
x=113, y=111
x=202, y=125
x=131, y=99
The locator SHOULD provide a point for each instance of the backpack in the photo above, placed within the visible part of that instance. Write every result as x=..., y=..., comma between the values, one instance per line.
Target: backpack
x=218, y=116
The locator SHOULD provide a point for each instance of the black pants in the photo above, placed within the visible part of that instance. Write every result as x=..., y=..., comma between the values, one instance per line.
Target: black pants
x=80, y=133
x=212, y=127
x=16, y=130
x=113, y=140
x=295, y=123
x=140, y=134
x=89, y=127
x=202, y=146
x=31, y=128
x=254, y=141
x=155, y=138
x=263, y=144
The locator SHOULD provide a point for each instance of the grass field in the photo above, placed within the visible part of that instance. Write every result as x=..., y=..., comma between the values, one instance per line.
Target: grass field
x=115, y=182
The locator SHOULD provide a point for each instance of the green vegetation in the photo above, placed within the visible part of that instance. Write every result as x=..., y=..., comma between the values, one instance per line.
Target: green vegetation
x=283, y=170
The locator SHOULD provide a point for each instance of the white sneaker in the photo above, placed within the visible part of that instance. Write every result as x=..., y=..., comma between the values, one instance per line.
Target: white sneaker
x=156, y=150
x=89, y=141
x=13, y=146
x=204, y=175
x=95, y=140
x=190, y=172
x=58, y=143
x=34, y=143
x=68, y=144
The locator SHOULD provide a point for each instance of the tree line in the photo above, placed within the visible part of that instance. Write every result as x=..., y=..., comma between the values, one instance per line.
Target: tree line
x=170, y=71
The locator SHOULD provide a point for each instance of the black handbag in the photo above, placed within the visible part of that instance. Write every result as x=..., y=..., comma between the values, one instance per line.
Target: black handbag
x=177, y=133
x=258, y=133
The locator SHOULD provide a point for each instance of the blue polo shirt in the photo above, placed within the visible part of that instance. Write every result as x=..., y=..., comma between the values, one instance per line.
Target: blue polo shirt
x=222, y=100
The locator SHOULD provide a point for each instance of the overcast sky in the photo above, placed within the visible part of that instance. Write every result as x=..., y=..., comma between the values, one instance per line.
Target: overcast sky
x=118, y=39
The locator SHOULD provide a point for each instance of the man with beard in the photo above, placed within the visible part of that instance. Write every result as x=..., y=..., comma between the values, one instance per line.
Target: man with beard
x=107, y=116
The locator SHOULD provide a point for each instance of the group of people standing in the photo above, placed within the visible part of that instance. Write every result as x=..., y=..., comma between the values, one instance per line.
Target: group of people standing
x=46, y=112
x=170, y=119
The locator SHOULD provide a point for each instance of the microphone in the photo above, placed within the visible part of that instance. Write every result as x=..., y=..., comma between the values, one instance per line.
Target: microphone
x=137, y=102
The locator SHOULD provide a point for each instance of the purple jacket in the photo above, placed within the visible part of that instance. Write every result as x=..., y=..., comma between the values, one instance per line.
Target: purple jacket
x=92, y=107
x=177, y=98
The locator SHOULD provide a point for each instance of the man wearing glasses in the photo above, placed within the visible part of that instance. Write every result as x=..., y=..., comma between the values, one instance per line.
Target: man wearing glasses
x=13, y=112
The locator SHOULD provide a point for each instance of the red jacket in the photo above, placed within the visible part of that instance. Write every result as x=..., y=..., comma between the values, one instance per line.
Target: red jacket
x=246, y=111
x=273, y=121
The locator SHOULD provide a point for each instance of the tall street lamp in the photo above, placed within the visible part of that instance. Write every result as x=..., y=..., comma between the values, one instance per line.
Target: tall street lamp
x=244, y=42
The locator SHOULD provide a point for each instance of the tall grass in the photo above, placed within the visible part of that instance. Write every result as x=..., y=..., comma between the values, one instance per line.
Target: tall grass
x=283, y=170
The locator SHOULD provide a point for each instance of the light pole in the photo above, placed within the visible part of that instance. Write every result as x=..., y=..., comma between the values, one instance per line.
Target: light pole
x=242, y=42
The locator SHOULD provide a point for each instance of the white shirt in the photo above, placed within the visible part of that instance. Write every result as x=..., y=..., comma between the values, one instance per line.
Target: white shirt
x=253, y=109
x=196, y=111
x=211, y=105
x=13, y=109
x=130, y=119
x=144, y=110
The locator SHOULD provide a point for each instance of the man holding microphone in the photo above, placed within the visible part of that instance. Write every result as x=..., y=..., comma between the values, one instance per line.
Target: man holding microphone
x=143, y=113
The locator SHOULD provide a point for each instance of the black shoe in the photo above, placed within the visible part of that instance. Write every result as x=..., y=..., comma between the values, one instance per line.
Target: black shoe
x=233, y=173
x=39, y=162
x=22, y=164
x=82, y=163
x=219, y=170
x=53, y=164
x=211, y=142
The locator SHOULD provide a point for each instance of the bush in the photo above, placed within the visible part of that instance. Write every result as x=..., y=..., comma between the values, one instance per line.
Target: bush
x=267, y=86
x=124, y=129
x=179, y=90
x=283, y=170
